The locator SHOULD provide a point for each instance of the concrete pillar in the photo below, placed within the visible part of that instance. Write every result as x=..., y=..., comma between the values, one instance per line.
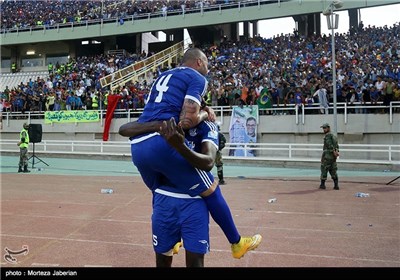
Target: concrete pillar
x=229, y=31
x=174, y=35
x=127, y=42
x=204, y=34
x=308, y=24
x=353, y=20
x=246, y=29
x=168, y=35
x=255, y=28
x=178, y=35
x=302, y=24
x=71, y=49
x=234, y=28
x=314, y=24
x=139, y=43
x=110, y=43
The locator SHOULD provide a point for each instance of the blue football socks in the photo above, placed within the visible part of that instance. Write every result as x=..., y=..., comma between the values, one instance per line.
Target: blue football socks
x=221, y=214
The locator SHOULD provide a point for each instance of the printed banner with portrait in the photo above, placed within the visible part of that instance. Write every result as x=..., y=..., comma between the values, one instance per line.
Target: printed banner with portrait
x=243, y=130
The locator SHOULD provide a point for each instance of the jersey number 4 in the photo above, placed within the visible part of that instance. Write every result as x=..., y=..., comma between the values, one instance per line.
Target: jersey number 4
x=161, y=87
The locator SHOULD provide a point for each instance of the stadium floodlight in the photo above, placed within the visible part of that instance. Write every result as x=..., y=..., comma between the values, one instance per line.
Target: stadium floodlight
x=333, y=23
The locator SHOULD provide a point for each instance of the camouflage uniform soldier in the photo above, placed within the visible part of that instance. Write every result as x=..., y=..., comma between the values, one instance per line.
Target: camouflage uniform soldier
x=329, y=156
x=218, y=159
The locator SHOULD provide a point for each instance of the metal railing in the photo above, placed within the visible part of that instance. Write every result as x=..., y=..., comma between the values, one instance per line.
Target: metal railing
x=349, y=153
x=298, y=112
x=140, y=68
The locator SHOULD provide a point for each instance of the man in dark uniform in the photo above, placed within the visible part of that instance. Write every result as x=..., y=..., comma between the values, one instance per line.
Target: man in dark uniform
x=328, y=159
x=218, y=159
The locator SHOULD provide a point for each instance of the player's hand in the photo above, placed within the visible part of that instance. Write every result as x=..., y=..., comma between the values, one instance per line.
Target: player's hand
x=173, y=133
x=211, y=114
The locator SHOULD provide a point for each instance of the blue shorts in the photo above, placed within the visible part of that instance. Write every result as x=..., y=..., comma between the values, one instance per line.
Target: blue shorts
x=160, y=164
x=179, y=216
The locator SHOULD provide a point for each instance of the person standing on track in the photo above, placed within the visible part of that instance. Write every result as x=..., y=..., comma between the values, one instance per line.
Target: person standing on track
x=218, y=159
x=23, y=145
x=328, y=159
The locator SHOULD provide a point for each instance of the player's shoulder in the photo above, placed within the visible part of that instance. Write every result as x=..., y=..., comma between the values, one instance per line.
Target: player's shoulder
x=192, y=73
x=330, y=136
x=208, y=125
x=206, y=129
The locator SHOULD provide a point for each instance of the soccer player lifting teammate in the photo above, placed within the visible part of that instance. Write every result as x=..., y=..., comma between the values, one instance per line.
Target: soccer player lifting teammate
x=178, y=94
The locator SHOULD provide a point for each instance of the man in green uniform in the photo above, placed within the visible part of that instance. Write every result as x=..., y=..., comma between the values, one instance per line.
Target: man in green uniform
x=218, y=159
x=328, y=158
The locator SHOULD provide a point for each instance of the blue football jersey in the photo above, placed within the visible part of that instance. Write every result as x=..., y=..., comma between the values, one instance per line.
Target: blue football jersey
x=169, y=92
x=194, y=137
x=205, y=131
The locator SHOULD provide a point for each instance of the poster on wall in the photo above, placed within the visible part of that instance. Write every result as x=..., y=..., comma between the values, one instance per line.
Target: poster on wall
x=243, y=130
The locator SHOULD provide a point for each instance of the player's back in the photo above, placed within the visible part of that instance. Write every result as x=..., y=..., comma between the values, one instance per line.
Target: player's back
x=169, y=92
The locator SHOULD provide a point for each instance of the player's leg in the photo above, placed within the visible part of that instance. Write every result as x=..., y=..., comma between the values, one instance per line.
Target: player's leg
x=333, y=172
x=163, y=260
x=147, y=156
x=187, y=179
x=194, y=259
x=165, y=228
x=199, y=182
x=220, y=212
x=195, y=227
x=141, y=161
x=324, y=175
x=220, y=169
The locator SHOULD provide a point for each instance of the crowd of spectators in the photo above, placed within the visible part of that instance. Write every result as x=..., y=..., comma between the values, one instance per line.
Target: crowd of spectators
x=49, y=13
x=286, y=70
x=297, y=69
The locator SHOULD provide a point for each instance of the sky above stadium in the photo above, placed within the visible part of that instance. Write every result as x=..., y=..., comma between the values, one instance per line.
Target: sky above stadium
x=378, y=16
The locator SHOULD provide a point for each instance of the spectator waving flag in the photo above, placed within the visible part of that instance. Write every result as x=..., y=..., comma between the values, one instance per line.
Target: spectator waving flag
x=264, y=101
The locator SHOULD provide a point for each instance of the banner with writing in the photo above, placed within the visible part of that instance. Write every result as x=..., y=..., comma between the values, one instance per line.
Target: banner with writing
x=243, y=130
x=71, y=116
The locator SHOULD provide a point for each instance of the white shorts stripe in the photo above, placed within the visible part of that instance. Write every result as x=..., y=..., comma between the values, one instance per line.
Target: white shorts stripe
x=140, y=139
x=177, y=195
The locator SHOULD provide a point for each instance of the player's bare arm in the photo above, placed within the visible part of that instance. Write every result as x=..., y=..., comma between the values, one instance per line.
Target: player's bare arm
x=175, y=137
x=191, y=115
x=133, y=129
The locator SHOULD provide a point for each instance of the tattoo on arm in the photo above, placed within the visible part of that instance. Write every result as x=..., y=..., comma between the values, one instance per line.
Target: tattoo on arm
x=189, y=116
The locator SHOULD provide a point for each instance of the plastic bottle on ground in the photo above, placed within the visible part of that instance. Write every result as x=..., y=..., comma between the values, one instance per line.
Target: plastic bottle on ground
x=361, y=194
x=107, y=191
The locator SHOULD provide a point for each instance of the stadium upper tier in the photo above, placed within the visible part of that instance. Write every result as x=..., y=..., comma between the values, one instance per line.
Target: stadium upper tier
x=42, y=21
x=291, y=68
